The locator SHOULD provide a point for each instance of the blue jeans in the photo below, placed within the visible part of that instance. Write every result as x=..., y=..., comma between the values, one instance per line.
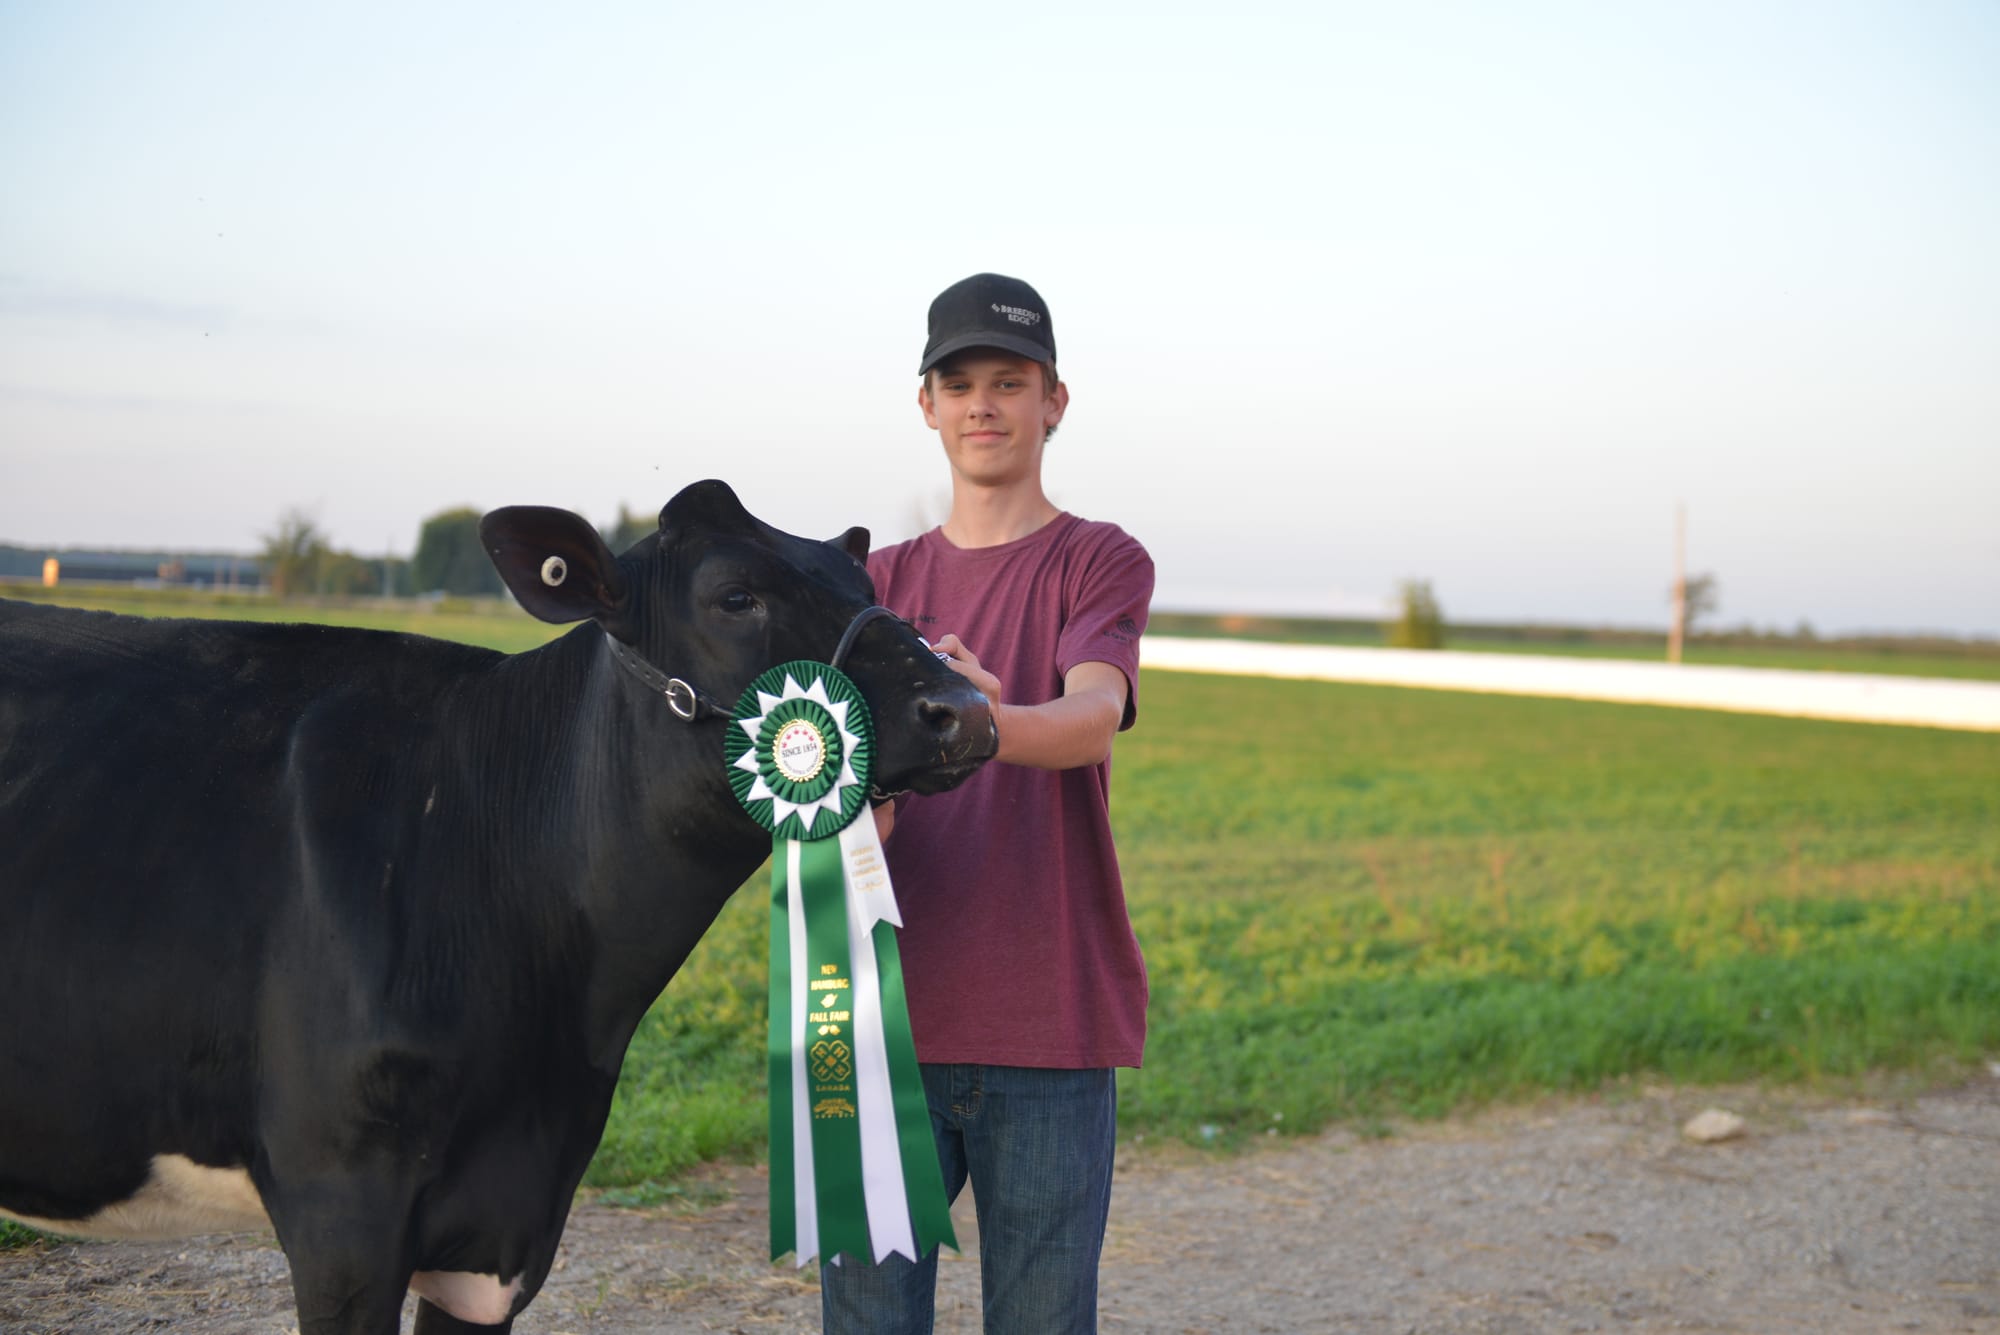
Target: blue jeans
x=1037, y=1145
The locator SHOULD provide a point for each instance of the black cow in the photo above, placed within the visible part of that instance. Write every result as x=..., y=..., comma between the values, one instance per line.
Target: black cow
x=349, y=930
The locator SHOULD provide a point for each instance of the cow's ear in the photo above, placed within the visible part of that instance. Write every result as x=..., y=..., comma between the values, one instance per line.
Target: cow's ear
x=706, y=505
x=855, y=543
x=554, y=562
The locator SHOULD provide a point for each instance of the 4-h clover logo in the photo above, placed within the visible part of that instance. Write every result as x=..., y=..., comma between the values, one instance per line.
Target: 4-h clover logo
x=832, y=1063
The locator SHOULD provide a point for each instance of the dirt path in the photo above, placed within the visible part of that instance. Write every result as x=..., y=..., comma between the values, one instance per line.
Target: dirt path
x=1830, y=1218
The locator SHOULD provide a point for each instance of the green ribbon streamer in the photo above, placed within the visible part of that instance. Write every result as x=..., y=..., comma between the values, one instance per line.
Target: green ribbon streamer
x=778, y=1044
x=923, y=1177
x=831, y=1058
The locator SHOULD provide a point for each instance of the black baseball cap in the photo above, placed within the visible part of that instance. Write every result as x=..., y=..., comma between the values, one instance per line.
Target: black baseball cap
x=989, y=310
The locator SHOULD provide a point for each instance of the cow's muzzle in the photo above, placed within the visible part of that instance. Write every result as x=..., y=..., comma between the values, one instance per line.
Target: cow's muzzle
x=940, y=737
x=946, y=729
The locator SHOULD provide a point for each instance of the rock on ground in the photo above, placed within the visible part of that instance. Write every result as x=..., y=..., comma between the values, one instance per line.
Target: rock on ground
x=1712, y=1125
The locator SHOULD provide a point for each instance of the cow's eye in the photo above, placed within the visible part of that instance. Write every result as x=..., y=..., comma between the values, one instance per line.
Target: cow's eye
x=736, y=600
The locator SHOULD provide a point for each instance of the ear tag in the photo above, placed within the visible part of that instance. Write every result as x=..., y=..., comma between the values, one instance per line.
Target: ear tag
x=554, y=571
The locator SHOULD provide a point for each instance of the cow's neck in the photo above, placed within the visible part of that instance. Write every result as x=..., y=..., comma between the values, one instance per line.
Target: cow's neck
x=657, y=840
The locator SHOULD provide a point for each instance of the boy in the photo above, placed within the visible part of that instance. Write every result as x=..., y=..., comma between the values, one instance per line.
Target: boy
x=1025, y=984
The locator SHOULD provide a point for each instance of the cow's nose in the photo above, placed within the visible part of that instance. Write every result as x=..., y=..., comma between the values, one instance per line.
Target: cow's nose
x=940, y=718
x=958, y=725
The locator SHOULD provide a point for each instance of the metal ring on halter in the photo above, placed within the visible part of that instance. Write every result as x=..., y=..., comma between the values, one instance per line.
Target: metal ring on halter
x=687, y=703
x=682, y=699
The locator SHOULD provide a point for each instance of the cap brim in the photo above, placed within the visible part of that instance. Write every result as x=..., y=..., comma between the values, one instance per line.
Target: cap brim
x=1020, y=347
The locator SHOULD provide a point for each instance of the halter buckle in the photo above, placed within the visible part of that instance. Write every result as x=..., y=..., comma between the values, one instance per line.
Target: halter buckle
x=682, y=699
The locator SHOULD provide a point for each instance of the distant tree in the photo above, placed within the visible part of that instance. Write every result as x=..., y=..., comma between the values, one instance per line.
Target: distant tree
x=1420, y=622
x=293, y=554
x=347, y=576
x=449, y=557
x=629, y=529
x=1703, y=597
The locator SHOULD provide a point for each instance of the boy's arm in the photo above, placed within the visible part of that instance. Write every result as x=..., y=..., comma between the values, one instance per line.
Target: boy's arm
x=1074, y=729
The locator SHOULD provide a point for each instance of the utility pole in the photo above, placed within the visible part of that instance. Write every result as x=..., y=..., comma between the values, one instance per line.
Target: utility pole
x=1677, y=626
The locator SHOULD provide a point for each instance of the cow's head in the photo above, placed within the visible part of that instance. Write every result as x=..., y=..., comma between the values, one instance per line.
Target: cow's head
x=717, y=596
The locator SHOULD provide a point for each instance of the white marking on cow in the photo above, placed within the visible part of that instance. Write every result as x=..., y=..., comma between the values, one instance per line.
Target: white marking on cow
x=430, y=801
x=180, y=1197
x=480, y=1299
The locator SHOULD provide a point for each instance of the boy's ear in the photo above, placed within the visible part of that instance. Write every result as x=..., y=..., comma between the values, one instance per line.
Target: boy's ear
x=926, y=405
x=1057, y=404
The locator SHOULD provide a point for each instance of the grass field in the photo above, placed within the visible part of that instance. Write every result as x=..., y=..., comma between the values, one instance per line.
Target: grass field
x=1359, y=902
x=1364, y=902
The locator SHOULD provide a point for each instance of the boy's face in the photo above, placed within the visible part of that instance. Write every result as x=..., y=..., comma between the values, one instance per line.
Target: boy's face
x=990, y=410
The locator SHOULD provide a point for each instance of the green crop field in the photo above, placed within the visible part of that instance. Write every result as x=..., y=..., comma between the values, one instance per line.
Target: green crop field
x=1361, y=902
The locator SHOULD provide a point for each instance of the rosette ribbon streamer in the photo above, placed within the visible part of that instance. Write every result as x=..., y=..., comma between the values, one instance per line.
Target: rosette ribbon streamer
x=854, y=1169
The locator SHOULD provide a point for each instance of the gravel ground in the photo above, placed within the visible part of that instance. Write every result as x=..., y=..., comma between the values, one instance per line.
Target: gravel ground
x=1827, y=1217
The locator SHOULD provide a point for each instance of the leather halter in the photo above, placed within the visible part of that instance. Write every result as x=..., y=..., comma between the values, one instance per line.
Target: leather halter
x=689, y=703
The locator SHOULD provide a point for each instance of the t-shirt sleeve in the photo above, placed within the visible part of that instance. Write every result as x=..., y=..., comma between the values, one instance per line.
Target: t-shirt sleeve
x=1111, y=592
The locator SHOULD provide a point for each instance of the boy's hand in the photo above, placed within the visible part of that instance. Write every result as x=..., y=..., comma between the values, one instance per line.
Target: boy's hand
x=966, y=664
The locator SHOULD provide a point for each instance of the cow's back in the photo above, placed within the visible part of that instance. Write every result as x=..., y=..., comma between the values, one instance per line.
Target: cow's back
x=129, y=746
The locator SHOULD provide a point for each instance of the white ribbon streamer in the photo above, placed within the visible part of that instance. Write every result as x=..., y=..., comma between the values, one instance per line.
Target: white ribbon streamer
x=869, y=901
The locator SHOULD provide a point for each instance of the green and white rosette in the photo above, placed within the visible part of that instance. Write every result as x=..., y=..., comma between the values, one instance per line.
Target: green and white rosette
x=854, y=1170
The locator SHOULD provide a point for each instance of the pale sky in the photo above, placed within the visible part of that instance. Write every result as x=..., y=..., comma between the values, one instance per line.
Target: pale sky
x=1344, y=293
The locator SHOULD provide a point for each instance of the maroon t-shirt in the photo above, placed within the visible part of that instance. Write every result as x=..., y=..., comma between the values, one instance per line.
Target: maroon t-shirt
x=1016, y=947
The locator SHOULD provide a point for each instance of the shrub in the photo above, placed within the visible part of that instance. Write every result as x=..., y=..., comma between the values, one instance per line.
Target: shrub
x=1421, y=623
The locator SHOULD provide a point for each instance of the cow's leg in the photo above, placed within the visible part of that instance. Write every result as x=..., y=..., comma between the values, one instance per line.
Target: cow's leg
x=335, y=1299
x=434, y=1320
x=344, y=1239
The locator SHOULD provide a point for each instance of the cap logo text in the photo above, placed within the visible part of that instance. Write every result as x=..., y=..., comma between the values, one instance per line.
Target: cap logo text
x=1017, y=314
